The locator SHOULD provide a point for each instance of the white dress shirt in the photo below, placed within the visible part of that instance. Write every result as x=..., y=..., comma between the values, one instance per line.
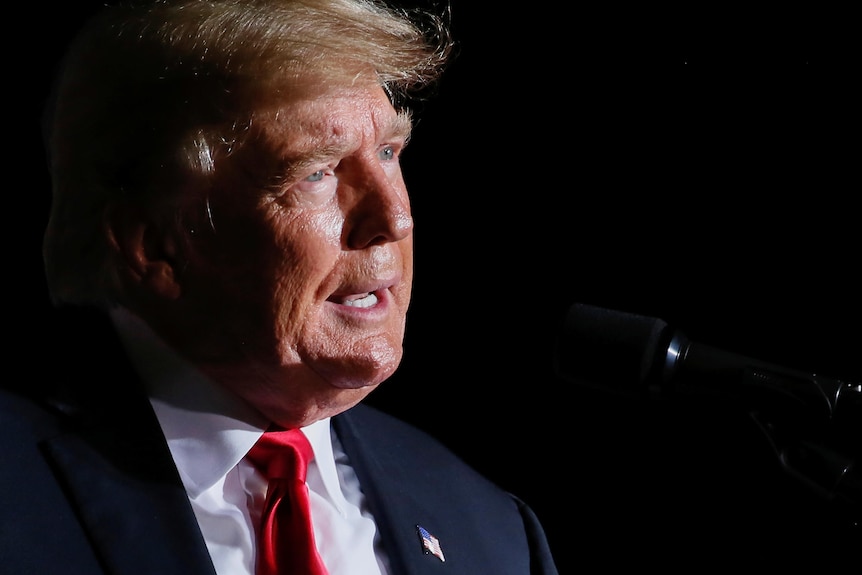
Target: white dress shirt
x=209, y=431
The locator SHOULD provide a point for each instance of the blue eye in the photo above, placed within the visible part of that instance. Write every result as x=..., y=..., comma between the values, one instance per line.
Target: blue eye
x=316, y=176
x=387, y=153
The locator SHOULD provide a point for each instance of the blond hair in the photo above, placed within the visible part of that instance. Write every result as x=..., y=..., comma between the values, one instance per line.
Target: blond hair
x=148, y=91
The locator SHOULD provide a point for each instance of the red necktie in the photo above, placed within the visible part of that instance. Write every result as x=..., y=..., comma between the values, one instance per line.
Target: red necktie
x=286, y=539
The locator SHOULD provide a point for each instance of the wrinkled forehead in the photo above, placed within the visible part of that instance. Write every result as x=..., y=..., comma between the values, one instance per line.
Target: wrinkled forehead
x=303, y=134
x=339, y=116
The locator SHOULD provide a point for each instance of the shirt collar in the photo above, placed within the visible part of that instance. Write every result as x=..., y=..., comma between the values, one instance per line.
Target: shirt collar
x=207, y=428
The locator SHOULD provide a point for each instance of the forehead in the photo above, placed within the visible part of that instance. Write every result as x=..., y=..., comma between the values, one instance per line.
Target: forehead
x=339, y=120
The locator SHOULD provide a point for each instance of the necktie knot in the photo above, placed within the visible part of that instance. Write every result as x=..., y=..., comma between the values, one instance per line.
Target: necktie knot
x=282, y=454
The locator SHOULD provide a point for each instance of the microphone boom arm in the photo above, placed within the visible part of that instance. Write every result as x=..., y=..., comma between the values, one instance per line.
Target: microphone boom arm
x=813, y=422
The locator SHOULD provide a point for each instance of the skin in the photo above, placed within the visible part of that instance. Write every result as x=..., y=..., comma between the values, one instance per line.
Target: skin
x=311, y=216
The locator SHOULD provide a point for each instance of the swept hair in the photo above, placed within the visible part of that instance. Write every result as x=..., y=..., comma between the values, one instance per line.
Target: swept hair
x=150, y=93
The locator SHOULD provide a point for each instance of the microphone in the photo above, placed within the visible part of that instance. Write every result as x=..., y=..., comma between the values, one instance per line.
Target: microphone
x=636, y=356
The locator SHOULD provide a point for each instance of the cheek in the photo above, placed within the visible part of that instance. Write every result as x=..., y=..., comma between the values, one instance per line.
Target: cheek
x=269, y=263
x=307, y=248
x=407, y=271
x=298, y=250
x=326, y=228
x=304, y=257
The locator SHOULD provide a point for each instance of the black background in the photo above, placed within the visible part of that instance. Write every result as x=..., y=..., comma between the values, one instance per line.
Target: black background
x=700, y=166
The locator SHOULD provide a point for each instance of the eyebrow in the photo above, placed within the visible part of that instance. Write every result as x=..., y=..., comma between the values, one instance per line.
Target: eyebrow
x=398, y=127
x=401, y=126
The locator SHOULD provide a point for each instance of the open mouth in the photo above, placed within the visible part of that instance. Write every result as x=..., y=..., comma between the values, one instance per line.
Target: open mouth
x=358, y=300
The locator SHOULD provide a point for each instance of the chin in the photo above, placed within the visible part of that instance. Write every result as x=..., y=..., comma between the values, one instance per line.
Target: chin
x=364, y=366
x=357, y=374
x=350, y=381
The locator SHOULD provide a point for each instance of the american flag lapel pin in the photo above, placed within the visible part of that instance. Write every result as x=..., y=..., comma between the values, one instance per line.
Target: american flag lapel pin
x=430, y=544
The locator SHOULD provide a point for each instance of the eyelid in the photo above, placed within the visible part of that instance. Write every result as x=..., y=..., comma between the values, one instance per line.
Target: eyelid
x=308, y=166
x=397, y=146
x=301, y=170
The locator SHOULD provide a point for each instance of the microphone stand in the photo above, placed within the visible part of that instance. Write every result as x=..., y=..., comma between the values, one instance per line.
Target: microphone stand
x=823, y=450
x=813, y=423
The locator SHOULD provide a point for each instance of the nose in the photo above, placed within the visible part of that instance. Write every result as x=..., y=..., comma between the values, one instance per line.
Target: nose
x=379, y=211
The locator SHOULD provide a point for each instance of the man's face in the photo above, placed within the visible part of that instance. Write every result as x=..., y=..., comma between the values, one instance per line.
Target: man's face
x=301, y=276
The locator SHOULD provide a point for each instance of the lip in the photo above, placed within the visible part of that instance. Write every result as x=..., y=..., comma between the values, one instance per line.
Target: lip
x=381, y=289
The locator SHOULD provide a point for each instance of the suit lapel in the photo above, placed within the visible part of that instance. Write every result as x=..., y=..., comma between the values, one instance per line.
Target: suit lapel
x=140, y=523
x=392, y=500
x=116, y=467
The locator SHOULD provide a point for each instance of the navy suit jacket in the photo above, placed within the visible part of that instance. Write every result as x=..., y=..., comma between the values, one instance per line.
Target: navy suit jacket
x=88, y=485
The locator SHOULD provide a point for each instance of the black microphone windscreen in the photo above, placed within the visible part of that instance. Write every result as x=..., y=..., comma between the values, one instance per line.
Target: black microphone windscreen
x=615, y=350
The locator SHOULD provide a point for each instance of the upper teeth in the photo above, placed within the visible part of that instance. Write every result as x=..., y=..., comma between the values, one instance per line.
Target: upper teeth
x=363, y=301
